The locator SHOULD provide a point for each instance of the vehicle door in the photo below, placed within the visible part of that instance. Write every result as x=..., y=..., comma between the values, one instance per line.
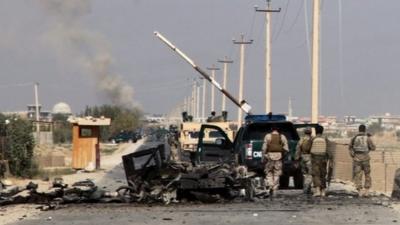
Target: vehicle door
x=213, y=145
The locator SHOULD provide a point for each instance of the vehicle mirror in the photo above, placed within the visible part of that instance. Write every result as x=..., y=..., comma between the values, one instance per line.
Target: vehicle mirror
x=219, y=141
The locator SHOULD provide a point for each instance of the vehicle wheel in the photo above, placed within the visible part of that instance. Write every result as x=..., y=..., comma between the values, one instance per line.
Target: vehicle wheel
x=130, y=141
x=298, y=180
x=284, y=182
x=113, y=141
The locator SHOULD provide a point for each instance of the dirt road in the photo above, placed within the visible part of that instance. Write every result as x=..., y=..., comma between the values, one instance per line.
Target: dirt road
x=290, y=207
x=109, y=177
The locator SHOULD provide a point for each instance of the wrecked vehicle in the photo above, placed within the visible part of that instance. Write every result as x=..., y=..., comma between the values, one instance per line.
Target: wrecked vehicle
x=247, y=146
x=152, y=177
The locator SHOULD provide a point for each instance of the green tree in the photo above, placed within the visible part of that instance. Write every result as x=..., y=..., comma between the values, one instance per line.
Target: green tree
x=20, y=145
x=62, y=130
x=121, y=118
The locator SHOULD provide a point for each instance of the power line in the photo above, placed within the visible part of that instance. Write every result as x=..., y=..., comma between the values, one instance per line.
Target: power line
x=16, y=85
x=283, y=21
x=296, y=18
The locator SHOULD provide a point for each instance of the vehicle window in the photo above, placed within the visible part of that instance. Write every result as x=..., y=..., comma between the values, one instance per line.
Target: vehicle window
x=258, y=131
x=194, y=134
x=215, y=134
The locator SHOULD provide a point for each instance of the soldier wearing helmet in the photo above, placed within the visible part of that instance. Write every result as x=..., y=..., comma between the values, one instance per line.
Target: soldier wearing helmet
x=359, y=147
x=303, y=155
x=274, y=147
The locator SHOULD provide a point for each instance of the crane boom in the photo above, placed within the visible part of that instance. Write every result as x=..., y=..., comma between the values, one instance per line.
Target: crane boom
x=241, y=104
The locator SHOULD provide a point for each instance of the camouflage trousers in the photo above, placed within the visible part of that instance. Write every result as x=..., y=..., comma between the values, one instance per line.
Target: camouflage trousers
x=273, y=171
x=307, y=168
x=359, y=168
x=319, y=171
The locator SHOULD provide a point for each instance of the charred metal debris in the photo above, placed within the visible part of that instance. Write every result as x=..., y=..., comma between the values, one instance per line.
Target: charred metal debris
x=152, y=178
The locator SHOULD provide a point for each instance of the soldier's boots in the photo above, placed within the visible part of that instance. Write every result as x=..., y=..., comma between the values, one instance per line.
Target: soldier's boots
x=366, y=192
x=317, y=192
x=323, y=192
x=360, y=192
x=363, y=192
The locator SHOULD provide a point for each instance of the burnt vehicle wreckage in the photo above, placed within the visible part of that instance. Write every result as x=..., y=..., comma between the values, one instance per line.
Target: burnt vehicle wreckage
x=151, y=178
x=219, y=171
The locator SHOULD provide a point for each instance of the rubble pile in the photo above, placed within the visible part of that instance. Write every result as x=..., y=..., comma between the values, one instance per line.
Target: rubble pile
x=151, y=178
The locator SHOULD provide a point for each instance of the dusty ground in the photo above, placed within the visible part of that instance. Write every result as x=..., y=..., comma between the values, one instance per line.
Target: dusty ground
x=290, y=207
x=110, y=177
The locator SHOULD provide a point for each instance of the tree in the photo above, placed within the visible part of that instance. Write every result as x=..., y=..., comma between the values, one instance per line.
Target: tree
x=19, y=148
x=62, y=131
x=121, y=118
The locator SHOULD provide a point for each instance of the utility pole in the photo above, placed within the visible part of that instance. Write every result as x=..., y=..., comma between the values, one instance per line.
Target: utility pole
x=242, y=43
x=37, y=113
x=213, y=69
x=268, y=44
x=203, y=107
x=315, y=61
x=225, y=61
x=198, y=101
x=194, y=99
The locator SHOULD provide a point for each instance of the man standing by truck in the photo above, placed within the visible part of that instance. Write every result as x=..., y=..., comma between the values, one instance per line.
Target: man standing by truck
x=303, y=149
x=274, y=147
x=359, y=147
x=320, y=154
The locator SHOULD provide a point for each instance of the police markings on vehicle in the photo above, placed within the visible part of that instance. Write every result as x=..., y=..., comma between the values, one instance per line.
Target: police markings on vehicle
x=257, y=154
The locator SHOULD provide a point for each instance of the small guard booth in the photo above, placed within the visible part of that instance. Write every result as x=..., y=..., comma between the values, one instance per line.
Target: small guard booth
x=85, y=142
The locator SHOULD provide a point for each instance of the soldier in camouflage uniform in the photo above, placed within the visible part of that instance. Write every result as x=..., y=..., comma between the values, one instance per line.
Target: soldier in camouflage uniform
x=359, y=147
x=320, y=154
x=303, y=149
x=275, y=145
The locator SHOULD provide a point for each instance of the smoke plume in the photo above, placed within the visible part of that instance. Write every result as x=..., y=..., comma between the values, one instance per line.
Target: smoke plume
x=88, y=49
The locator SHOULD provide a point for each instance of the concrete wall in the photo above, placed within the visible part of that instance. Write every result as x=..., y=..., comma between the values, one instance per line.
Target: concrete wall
x=46, y=137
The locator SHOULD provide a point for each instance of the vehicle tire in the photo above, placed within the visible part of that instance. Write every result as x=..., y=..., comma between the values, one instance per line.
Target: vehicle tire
x=298, y=179
x=113, y=141
x=284, y=182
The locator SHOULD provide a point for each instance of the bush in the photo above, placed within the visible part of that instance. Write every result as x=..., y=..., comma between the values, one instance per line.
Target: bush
x=19, y=147
x=62, y=131
x=121, y=118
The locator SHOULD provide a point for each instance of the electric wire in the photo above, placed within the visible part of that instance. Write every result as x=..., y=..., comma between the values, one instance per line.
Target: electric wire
x=277, y=34
x=295, y=19
x=307, y=32
x=16, y=85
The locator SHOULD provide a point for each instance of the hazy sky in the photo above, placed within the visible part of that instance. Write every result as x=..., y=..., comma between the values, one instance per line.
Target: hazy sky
x=31, y=50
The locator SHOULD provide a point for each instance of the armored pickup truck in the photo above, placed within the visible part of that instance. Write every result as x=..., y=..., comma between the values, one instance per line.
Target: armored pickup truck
x=246, y=148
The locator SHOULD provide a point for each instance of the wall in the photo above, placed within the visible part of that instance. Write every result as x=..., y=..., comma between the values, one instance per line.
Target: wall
x=383, y=166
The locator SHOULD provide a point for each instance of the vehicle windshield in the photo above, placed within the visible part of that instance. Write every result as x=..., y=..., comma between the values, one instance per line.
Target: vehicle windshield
x=258, y=131
x=215, y=134
x=194, y=134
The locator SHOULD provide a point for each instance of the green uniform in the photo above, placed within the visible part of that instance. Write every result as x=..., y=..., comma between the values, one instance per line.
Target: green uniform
x=303, y=149
x=359, y=148
x=320, y=155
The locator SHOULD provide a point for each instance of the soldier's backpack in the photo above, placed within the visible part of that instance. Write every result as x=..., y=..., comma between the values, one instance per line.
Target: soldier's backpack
x=319, y=146
x=360, y=143
x=275, y=144
x=306, y=145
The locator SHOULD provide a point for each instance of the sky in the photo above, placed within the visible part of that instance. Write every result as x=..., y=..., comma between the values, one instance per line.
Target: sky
x=88, y=52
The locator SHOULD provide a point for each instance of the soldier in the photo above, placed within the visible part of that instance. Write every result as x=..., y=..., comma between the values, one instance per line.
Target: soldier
x=303, y=149
x=275, y=145
x=359, y=147
x=320, y=154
